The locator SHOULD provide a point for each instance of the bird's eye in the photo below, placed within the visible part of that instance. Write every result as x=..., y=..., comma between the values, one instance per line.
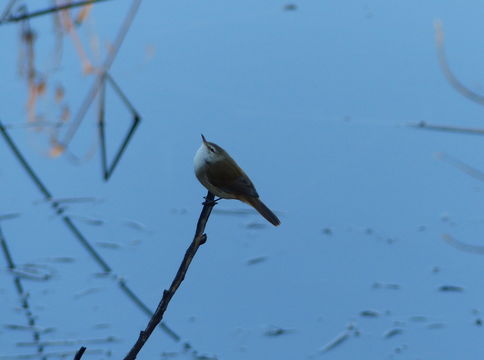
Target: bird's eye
x=212, y=149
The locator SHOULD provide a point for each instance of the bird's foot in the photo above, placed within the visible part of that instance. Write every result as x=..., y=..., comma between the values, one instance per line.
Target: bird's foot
x=211, y=202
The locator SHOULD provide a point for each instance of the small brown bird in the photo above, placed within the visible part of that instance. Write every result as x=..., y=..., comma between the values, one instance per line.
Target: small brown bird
x=221, y=175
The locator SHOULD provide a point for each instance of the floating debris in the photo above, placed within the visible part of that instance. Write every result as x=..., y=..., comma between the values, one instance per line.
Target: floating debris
x=290, y=7
x=69, y=200
x=451, y=288
x=102, y=275
x=89, y=220
x=477, y=249
x=445, y=217
x=278, y=331
x=256, y=226
x=400, y=349
x=256, y=260
x=392, y=332
x=378, y=285
x=203, y=357
x=369, y=313
x=108, y=245
x=338, y=340
x=433, y=326
x=418, y=318
x=32, y=271
x=478, y=320
x=169, y=355
x=29, y=328
x=236, y=212
x=133, y=224
x=54, y=354
x=68, y=342
x=59, y=260
x=87, y=292
x=9, y=216
x=352, y=328
x=102, y=326
x=135, y=242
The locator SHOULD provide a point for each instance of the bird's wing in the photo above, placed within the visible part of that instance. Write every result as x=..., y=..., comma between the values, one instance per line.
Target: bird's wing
x=230, y=179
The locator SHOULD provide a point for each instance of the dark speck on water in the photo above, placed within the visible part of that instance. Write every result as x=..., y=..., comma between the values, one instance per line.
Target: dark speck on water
x=277, y=331
x=378, y=285
x=451, y=288
x=256, y=260
x=255, y=226
x=392, y=332
x=290, y=7
x=369, y=313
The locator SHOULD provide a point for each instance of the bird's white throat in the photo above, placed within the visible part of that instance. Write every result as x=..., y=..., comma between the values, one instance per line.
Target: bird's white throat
x=203, y=157
x=200, y=156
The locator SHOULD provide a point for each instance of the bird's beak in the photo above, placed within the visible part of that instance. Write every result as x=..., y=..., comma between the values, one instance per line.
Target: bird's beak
x=204, y=140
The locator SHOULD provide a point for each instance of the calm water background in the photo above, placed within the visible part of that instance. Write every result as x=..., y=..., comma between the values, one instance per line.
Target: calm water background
x=314, y=105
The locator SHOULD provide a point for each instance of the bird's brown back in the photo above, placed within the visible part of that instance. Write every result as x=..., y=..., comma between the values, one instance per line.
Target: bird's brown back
x=229, y=177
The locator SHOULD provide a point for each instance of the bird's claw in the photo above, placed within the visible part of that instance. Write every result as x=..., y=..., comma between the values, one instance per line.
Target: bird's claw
x=210, y=202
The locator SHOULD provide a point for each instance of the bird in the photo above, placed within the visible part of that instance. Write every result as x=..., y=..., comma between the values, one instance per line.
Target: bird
x=223, y=177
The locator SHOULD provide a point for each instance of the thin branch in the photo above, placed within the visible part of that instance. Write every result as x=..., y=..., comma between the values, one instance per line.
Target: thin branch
x=136, y=118
x=7, y=10
x=24, y=162
x=122, y=95
x=67, y=221
x=451, y=78
x=148, y=311
x=199, y=239
x=462, y=166
x=101, y=126
x=76, y=122
x=48, y=11
x=476, y=249
x=22, y=296
x=446, y=128
x=80, y=353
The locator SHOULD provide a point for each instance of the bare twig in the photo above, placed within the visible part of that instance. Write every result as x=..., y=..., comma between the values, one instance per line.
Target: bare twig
x=69, y=342
x=7, y=10
x=134, y=298
x=70, y=132
x=451, y=78
x=61, y=354
x=22, y=296
x=80, y=353
x=48, y=11
x=476, y=249
x=67, y=221
x=462, y=166
x=446, y=128
x=199, y=239
x=108, y=169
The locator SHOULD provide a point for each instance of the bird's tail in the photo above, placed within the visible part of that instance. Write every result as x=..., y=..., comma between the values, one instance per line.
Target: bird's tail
x=263, y=210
